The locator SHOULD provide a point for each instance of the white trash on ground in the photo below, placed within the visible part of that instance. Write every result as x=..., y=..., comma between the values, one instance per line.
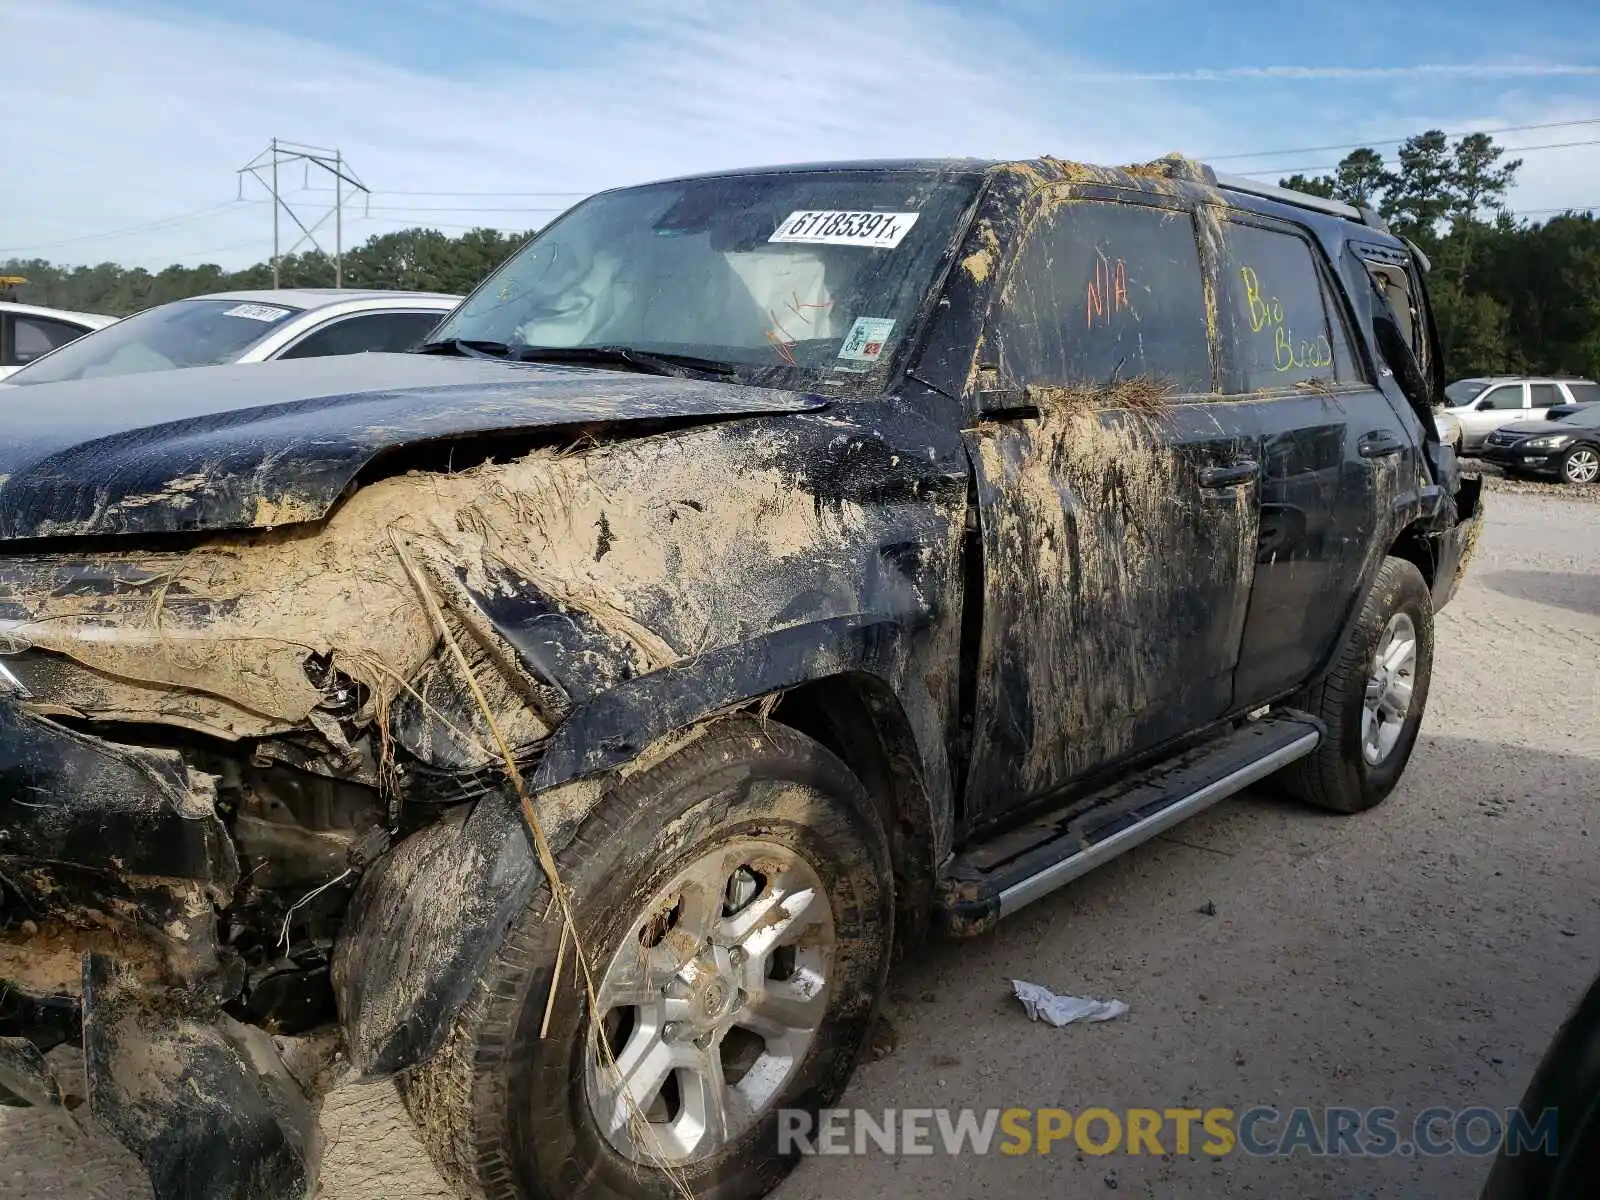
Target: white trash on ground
x=1044, y=1005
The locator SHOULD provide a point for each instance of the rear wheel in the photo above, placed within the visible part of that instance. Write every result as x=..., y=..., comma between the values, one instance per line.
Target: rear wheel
x=1581, y=465
x=735, y=904
x=1372, y=700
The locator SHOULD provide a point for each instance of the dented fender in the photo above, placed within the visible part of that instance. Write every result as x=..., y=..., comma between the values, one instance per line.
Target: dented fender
x=429, y=915
x=616, y=726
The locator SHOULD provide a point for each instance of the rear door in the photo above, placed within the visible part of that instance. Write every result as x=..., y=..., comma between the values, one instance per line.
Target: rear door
x=1117, y=494
x=1334, y=454
x=1542, y=397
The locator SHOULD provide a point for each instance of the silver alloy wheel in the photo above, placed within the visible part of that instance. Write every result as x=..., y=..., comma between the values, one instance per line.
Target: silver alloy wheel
x=1389, y=689
x=711, y=1003
x=1583, y=465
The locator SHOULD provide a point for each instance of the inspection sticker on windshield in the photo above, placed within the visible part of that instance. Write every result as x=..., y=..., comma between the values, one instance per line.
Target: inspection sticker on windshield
x=256, y=312
x=883, y=230
x=866, y=339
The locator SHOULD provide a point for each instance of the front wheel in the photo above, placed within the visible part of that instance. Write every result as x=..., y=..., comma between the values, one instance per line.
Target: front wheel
x=1581, y=465
x=735, y=905
x=1373, y=699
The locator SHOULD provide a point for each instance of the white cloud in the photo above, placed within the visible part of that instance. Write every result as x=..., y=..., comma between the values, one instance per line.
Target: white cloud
x=175, y=105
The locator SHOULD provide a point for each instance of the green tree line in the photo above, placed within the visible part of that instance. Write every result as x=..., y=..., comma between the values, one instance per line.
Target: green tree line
x=1509, y=296
x=416, y=260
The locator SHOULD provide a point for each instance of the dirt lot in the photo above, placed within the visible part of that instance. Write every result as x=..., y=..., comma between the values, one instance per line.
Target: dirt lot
x=1419, y=955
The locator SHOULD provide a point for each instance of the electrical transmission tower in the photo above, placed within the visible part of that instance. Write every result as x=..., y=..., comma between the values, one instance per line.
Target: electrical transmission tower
x=265, y=168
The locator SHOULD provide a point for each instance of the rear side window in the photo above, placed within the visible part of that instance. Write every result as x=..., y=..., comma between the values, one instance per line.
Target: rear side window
x=1286, y=328
x=393, y=331
x=37, y=336
x=1545, y=395
x=1104, y=292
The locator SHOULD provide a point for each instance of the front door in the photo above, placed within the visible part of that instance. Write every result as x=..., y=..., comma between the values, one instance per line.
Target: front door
x=1495, y=406
x=1117, y=496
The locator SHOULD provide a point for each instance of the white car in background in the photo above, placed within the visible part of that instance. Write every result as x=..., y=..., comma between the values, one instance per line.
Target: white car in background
x=245, y=327
x=29, y=332
x=1482, y=405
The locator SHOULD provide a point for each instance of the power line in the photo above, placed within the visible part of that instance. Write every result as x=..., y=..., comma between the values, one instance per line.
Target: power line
x=111, y=233
x=1335, y=166
x=408, y=208
x=578, y=195
x=1563, y=208
x=1394, y=141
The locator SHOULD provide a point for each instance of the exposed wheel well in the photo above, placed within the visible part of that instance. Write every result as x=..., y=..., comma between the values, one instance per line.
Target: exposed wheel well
x=1414, y=546
x=856, y=718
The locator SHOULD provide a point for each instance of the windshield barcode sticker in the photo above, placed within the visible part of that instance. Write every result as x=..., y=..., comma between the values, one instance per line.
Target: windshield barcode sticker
x=880, y=229
x=256, y=312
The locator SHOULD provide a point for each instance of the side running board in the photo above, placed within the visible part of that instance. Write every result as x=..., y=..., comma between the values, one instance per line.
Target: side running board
x=995, y=878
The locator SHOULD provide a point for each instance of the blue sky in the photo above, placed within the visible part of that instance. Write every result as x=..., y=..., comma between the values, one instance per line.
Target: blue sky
x=138, y=113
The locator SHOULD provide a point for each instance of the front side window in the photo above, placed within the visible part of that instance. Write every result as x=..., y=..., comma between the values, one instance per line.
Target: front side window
x=1286, y=329
x=805, y=278
x=185, y=333
x=375, y=332
x=1464, y=391
x=1102, y=292
x=1507, y=396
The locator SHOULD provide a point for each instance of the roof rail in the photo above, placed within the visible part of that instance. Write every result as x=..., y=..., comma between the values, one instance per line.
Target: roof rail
x=1337, y=208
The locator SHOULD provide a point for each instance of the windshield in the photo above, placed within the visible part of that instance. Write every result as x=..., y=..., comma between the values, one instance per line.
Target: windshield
x=1587, y=417
x=1462, y=391
x=185, y=333
x=793, y=279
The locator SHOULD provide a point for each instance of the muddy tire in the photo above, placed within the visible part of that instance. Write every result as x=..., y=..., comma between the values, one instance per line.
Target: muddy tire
x=753, y=857
x=1372, y=700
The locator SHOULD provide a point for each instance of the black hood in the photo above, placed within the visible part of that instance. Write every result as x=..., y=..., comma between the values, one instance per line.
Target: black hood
x=257, y=445
x=1536, y=426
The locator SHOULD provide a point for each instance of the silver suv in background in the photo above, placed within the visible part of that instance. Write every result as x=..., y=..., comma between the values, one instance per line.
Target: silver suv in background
x=1482, y=405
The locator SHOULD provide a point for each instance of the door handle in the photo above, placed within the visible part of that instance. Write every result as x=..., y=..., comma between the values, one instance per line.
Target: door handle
x=1230, y=476
x=1380, y=443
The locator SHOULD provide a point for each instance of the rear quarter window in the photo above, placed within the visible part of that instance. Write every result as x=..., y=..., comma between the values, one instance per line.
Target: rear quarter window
x=1286, y=326
x=1102, y=292
x=1584, y=393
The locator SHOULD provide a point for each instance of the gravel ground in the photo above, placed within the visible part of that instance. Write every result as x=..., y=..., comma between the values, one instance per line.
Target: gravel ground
x=1421, y=954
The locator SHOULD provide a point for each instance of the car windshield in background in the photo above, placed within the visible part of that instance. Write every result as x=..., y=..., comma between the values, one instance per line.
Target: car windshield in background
x=807, y=279
x=185, y=333
x=1463, y=391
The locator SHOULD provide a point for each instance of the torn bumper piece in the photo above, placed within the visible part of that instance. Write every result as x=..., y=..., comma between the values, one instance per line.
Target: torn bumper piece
x=1453, y=547
x=120, y=848
x=99, y=834
x=205, y=1102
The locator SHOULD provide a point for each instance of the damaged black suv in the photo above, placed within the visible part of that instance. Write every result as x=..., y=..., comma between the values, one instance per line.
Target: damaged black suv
x=759, y=569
